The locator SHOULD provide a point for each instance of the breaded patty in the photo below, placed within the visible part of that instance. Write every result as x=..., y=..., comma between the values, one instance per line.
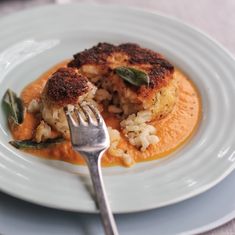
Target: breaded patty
x=65, y=87
x=99, y=62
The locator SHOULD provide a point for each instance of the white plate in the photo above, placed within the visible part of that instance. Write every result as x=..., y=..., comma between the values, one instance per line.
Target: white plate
x=193, y=216
x=33, y=41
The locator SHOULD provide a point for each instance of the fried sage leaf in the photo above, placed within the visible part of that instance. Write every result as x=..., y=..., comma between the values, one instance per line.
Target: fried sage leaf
x=133, y=76
x=14, y=106
x=30, y=144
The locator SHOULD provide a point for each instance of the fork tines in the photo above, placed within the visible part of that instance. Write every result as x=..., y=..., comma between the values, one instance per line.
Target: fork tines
x=86, y=114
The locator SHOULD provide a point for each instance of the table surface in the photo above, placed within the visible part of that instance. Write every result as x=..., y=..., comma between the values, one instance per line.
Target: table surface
x=215, y=17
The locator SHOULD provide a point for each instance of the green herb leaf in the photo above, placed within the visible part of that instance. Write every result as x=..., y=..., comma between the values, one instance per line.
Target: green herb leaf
x=30, y=144
x=133, y=76
x=14, y=107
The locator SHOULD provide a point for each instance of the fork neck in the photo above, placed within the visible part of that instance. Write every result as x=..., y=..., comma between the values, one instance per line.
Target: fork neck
x=92, y=157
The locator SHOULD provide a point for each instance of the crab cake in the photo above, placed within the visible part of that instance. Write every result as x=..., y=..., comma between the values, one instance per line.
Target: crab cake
x=66, y=87
x=99, y=64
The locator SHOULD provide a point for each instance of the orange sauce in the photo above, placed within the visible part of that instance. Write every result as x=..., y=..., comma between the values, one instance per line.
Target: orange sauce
x=173, y=130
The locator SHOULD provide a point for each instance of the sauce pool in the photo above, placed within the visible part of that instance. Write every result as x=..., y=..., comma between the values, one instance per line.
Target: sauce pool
x=173, y=130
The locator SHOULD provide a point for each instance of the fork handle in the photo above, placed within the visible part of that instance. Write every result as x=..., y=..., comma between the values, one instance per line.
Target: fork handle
x=93, y=162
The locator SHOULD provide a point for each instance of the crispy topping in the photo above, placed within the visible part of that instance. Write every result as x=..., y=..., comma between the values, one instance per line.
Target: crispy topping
x=95, y=55
x=158, y=76
x=65, y=86
x=158, y=68
x=138, y=55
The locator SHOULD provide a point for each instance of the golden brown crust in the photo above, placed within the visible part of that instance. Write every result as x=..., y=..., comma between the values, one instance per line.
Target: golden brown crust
x=96, y=55
x=65, y=86
x=158, y=69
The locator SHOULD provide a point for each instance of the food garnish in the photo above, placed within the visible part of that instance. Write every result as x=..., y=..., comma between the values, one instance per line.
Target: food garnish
x=133, y=76
x=14, y=106
x=30, y=144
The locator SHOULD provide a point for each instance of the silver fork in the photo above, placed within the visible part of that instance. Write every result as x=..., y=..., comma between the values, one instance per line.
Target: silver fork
x=89, y=137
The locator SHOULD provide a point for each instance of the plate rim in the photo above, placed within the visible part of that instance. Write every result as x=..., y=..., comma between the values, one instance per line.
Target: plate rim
x=200, y=229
